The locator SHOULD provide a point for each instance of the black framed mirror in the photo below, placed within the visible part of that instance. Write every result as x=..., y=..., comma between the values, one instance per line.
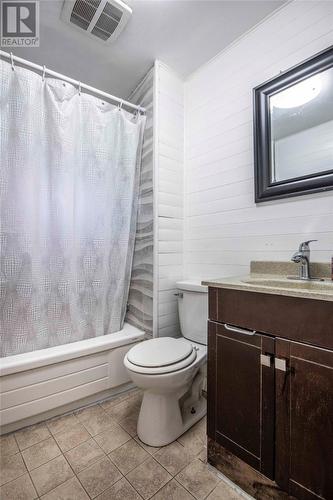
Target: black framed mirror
x=293, y=131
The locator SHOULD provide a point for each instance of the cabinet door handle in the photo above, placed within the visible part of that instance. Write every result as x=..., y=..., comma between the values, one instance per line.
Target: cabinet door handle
x=266, y=360
x=239, y=330
x=280, y=364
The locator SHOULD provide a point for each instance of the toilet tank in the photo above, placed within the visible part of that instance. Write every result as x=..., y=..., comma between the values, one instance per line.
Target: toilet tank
x=193, y=310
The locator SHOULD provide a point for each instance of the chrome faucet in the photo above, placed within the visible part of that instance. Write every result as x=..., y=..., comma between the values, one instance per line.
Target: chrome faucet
x=303, y=257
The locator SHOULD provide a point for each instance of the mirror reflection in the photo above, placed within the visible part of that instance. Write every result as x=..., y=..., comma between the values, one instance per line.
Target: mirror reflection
x=301, y=126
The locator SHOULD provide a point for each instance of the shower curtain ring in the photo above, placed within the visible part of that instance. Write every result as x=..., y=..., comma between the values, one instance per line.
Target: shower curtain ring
x=44, y=71
x=120, y=105
x=79, y=88
x=12, y=60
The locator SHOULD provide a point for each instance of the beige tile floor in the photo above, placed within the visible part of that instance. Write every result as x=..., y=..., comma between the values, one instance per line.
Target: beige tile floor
x=95, y=453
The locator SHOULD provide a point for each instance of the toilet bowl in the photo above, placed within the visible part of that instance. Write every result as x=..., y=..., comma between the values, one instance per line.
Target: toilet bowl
x=171, y=372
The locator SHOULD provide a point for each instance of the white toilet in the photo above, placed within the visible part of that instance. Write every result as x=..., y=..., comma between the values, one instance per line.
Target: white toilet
x=171, y=371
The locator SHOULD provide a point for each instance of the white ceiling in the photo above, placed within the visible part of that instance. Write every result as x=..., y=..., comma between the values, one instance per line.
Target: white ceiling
x=182, y=33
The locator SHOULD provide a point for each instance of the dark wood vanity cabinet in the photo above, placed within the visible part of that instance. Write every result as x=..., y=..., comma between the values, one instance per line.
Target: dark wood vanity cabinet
x=304, y=420
x=241, y=395
x=270, y=399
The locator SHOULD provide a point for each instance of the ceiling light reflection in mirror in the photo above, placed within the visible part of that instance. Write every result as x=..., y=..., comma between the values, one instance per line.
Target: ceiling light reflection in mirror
x=299, y=94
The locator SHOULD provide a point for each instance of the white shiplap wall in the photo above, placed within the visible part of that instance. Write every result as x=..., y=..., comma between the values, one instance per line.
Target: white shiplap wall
x=168, y=196
x=223, y=228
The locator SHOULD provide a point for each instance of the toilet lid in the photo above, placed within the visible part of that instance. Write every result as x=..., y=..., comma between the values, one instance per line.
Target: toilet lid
x=159, y=352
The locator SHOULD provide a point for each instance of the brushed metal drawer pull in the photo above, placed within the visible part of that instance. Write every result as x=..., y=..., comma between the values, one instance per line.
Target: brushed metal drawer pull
x=280, y=364
x=239, y=330
x=266, y=360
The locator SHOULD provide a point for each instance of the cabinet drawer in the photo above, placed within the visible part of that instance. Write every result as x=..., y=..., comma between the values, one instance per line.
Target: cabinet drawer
x=294, y=318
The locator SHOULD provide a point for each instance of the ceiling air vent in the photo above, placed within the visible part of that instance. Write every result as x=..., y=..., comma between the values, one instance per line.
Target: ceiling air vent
x=102, y=20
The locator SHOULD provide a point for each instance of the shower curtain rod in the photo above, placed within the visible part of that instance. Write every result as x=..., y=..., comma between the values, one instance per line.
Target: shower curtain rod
x=80, y=85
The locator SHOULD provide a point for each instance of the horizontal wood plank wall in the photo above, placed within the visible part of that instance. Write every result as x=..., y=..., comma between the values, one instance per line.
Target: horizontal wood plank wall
x=223, y=228
x=169, y=188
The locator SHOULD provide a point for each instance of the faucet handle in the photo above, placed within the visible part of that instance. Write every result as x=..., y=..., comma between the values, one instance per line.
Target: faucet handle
x=305, y=245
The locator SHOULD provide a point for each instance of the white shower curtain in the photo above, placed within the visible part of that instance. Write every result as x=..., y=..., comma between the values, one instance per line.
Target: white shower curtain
x=69, y=188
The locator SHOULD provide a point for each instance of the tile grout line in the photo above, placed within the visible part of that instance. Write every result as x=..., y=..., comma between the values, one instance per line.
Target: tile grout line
x=61, y=453
x=67, y=461
x=101, y=458
x=29, y=472
x=32, y=481
x=44, y=463
x=233, y=486
x=38, y=442
x=132, y=438
x=146, y=460
x=75, y=475
x=195, y=457
x=178, y=482
x=20, y=475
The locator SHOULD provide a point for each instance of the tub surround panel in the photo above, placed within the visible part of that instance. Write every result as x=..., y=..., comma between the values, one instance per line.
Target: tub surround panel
x=158, y=254
x=140, y=298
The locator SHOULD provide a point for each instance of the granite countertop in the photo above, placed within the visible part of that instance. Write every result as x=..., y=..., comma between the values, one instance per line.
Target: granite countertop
x=271, y=278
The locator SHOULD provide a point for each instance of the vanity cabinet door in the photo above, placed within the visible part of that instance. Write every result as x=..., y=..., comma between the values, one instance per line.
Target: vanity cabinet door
x=241, y=395
x=304, y=420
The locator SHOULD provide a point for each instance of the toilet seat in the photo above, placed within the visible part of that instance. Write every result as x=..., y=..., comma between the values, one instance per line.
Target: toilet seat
x=161, y=355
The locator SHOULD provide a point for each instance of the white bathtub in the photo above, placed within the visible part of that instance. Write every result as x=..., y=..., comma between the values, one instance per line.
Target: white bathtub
x=41, y=384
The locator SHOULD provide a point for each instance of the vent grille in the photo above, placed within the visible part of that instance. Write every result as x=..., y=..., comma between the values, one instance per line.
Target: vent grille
x=83, y=12
x=107, y=22
x=100, y=19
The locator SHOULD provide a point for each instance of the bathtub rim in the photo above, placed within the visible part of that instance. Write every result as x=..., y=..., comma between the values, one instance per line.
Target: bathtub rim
x=43, y=357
